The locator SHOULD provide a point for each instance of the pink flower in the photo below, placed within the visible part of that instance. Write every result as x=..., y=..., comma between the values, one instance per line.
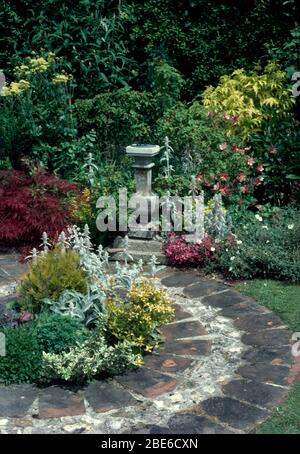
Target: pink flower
x=273, y=150
x=235, y=149
x=241, y=177
x=227, y=117
x=223, y=146
x=216, y=187
x=244, y=189
x=224, y=176
x=210, y=114
x=258, y=182
x=199, y=177
x=26, y=317
x=250, y=161
x=259, y=167
x=225, y=190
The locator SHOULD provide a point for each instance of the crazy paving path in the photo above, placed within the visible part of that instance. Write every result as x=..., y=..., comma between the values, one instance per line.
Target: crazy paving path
x=225, y=364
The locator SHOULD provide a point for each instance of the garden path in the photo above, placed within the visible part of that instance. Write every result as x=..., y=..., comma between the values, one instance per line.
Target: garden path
x=225, y=364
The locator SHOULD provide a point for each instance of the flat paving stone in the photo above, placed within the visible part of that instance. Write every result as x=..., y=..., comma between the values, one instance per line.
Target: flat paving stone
x=179, y=279
x=15, y=400
x=204, y=288
x=103, y=396
x=182, y=330
x=267, y=354
x=192, y=424
x=180, y=314
x=167, y=363
x=253, y=323
x=255, y=393
x=55, y=402
x=147, y=382
x=242, y=309
x=233, y=412
x=196, y=347
x=272, y=337
x=224, y=299
x=265, y=373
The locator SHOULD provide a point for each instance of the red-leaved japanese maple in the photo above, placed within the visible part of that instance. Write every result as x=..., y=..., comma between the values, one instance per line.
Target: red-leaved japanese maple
x=31, y=205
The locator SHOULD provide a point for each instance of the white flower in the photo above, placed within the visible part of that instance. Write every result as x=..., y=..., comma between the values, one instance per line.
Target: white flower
x=212, y=249
x=268, y=241
x=265, y=227
x=290, y=226
x=232, y=258
x=258, y=218
x=239, y=242
x=230, y=269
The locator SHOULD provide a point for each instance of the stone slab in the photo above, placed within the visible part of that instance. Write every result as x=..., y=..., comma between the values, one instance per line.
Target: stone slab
x=167, y=363
x=224, y=299
x=233, y=412
x=56, y=402
x=180, y=279
x=15, y=400
x=195, y=347
x=204, y=288
x=103, y=396
x=265, y=373
x=255, y=393
x=147, y=382
x=192, y=424
x=182, y=330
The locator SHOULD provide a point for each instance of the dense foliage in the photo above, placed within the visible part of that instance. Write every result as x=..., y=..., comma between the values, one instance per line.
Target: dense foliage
x=136, y=318
x=32, y=204
x=81, y=326
x=49, y=276
x=265, y=244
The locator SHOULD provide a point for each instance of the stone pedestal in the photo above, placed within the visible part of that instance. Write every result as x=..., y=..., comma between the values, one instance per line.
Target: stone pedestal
x=143, y=163
x=142, y=243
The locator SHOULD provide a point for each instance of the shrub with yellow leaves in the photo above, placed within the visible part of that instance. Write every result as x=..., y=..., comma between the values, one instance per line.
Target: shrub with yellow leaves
x=246, y=100
x=137, y=319
x=48, y=278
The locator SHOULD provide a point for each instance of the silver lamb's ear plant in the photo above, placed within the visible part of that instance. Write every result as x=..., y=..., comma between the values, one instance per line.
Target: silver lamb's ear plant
x=45, y=245
x=187, y=163
x=168, y=150
x=154, y=268
x=125, y=254
x=86, y=238
x=62, y=241
x=169, y=212
x=85, y=308
x=216, y=220
x=89, y=161
x=193, y=186
x=33, y=256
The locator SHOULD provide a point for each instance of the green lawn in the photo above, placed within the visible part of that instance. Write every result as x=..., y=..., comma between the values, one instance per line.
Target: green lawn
x=284, y=300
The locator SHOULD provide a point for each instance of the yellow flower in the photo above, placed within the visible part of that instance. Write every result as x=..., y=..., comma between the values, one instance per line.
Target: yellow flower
x=62, y=78
x=16, y=88
x=38, y=65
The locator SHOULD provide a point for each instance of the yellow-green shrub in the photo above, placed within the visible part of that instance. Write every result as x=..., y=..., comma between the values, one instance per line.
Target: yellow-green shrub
x=49, y=276
x=251, y=98
x=136, y=319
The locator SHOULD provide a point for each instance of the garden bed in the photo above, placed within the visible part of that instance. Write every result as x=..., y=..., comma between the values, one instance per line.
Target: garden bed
x=203, y=378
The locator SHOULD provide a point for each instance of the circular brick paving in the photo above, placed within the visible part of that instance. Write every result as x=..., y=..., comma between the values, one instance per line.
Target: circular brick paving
x=224, y=365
